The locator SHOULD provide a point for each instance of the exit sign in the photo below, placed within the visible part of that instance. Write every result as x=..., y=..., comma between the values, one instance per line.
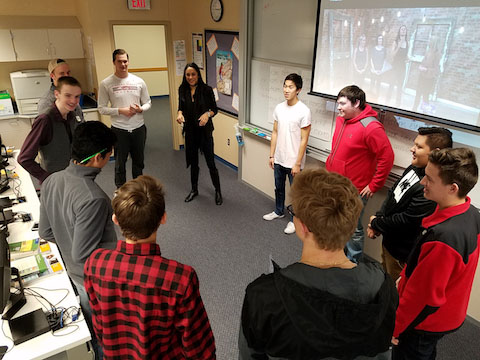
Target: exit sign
x=138, y=4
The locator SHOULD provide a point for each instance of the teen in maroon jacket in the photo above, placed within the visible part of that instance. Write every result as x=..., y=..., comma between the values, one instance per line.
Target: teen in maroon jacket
x=435, y=285
x=361, y=151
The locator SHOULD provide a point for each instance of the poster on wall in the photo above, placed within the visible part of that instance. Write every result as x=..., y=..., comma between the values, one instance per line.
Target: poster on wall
x=221, y=68
x=197, y=47
x=224, y=72
x=180, y=56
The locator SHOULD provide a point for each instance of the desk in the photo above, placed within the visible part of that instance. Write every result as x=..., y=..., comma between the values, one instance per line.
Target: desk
x=47, y=344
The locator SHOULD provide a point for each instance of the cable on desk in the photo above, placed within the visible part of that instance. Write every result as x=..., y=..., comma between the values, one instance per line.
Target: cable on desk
x=8, y=337
x=16, y=182
x=61, y=318
x=38, y=297
x=40, y=288
x=30, y=291
x=22, y=216
x=58, y=317
x=75, y=327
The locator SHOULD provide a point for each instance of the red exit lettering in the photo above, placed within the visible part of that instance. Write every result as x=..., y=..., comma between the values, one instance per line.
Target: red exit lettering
x=138, y=3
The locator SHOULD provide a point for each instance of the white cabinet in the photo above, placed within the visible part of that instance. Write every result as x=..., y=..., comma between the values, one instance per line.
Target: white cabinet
x=66, y=43
x=6, y=46
x=45, y=44
x=31, y=44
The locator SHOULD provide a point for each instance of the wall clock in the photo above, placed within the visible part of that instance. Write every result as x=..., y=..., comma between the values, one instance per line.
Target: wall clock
x=216, y=10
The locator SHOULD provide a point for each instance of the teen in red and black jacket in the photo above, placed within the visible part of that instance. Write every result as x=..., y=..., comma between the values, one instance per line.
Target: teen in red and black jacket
x=435, y=285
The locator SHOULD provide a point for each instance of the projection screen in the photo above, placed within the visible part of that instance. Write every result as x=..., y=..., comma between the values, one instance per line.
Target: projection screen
x=421, y=59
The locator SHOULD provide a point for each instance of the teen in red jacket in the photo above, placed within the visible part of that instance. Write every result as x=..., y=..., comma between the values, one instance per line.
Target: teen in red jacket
x=435, y=285
x=361, y=151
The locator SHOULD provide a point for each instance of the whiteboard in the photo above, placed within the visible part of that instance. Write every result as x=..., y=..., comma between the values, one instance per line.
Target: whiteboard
x=267, y=91
x=284, y=30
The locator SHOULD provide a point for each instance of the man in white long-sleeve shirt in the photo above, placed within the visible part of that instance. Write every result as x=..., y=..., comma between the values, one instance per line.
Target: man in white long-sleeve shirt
x=128, y=98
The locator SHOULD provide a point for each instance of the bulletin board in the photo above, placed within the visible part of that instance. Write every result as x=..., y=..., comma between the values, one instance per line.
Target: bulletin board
x=222, y=68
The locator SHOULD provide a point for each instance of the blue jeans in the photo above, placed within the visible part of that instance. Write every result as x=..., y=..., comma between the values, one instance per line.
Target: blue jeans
x=415, y=345
x=354, y=247
x=280, y=173
x=87, y=314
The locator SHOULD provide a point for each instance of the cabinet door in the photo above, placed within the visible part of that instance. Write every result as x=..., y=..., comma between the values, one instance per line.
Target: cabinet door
x=14, y=131
x=6, y=46
x=66, y=43
x=31, y=44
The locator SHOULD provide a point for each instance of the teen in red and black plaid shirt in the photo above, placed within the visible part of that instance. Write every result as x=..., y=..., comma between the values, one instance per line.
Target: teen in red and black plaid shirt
x=144, y=305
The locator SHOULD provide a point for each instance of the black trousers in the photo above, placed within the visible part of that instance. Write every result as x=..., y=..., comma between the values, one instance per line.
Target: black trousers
x=193, y=143
x=133, y=143
x=415, y=345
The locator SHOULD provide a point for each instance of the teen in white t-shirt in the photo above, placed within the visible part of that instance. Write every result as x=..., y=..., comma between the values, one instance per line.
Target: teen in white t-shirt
x=291, y=128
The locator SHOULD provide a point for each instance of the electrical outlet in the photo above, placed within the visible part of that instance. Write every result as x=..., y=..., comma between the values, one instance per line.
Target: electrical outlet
x=228, y=142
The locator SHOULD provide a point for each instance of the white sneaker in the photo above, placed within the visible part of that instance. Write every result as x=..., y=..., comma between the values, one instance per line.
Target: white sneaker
x=290, y=229
x=272, y=216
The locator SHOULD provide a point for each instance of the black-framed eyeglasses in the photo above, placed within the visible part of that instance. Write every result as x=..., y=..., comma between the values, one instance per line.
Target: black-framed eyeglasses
x=290, y=210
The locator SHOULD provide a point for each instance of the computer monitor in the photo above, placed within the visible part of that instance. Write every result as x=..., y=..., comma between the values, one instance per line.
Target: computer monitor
x=3, y=171
x=1, y=145
x=5, y=271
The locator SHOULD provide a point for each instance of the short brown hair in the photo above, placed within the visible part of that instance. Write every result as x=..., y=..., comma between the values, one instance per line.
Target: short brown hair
x=328, y=204
x=457, y=166
x=118, y=52
x=67, y=80
x=437, y=137
x=353, y=93
x=139, y=205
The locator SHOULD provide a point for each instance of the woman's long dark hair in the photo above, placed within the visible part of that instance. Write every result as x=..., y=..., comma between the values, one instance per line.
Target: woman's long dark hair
x=185, y=85
x=397, y=39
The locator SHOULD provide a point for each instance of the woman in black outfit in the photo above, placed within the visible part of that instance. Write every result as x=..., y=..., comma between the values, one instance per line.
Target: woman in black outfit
x=196, y=107
x=399, y=64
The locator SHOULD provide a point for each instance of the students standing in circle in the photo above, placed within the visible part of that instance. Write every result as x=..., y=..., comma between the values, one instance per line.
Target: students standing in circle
x=196, y=108
x=291, y=128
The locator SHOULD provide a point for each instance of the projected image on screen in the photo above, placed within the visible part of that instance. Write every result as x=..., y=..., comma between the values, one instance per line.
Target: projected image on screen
x=423, y=60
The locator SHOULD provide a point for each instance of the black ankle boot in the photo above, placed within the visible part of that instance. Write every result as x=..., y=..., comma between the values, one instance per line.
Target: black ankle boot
x=218, y=197
x=191, y=195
